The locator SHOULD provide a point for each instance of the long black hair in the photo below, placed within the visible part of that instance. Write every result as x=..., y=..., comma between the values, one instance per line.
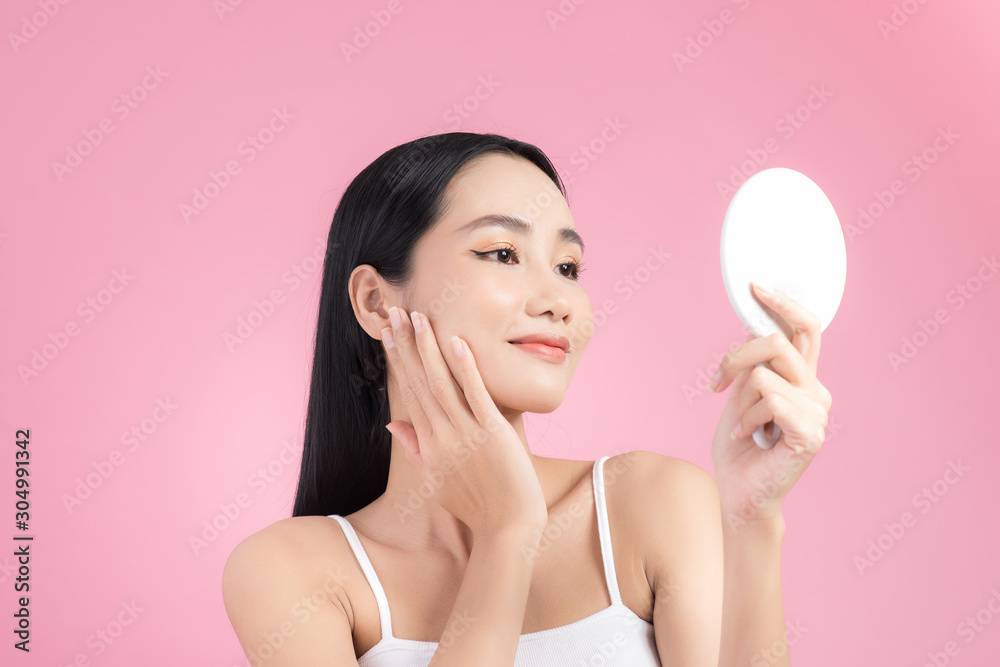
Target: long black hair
x=381, y=216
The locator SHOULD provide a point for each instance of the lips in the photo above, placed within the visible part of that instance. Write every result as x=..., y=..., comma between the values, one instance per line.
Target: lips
x=545, y=338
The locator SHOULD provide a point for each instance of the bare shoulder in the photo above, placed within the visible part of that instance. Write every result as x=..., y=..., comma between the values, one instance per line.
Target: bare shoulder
x=663, y=502
x=650, y=475
x=291, y=549
x=290, y=578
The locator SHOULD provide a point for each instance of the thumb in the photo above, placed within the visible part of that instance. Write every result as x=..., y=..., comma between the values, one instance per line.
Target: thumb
x=407, y=437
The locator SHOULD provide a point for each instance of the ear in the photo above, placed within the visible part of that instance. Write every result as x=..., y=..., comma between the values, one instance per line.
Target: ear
x=371, y=297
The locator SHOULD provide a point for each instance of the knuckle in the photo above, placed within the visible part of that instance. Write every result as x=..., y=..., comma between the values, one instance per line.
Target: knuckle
x=438, y=387
x=416, y=384
x=474, y=400
x=409, y=397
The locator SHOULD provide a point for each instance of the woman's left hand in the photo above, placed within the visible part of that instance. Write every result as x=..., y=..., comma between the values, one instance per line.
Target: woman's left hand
x=753, y=482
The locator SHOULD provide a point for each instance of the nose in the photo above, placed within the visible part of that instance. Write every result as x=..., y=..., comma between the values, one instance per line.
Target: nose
x=549, y=293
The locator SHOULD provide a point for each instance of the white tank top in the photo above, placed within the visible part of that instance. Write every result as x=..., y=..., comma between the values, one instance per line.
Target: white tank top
x=613, y=636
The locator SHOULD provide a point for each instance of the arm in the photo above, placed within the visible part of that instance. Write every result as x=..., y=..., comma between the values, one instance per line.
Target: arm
x=283, y=615
x=753, y=618
x=717, y=588
x=486, y=620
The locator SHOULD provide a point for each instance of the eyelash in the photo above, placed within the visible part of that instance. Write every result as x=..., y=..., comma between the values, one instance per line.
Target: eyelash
x=578, y=268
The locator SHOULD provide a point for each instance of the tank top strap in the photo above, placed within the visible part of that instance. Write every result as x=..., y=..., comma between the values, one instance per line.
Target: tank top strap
x=605, y=531
x=366, y=566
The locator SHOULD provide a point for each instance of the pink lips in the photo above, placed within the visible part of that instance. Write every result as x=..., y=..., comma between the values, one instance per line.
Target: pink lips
x=548, y=352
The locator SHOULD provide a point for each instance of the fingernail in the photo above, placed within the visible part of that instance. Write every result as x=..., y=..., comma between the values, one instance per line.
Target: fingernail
x=387, y=338
x=456, y=345
x=415, y=318
x=736, y=433
x=713, y=384
x=394, y=317
x=763, y=290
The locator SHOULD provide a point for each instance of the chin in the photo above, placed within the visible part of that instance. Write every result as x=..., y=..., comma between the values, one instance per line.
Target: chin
x=530, y=399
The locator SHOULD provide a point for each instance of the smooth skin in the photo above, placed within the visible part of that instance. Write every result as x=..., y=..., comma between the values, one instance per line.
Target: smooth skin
x=698, y=559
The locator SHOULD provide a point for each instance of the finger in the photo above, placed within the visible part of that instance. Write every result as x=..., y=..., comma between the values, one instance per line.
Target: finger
x=441, y=383
x=805, y=325
x=801, y=428
x=415, y=391
x=774, y=349
x=479, y=400
x=769, y=408
x=421, y=426
x=763, y=382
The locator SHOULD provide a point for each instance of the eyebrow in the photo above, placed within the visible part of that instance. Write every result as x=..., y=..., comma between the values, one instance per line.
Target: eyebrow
x=519, y=226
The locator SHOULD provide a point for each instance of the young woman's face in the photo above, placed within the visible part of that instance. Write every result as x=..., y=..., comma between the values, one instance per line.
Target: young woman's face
x=493, y=299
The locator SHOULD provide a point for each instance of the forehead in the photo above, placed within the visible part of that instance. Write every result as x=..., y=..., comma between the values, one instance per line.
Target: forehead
x=505, y=185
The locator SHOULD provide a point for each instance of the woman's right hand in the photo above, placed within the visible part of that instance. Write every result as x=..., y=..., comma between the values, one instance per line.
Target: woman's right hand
x=468, y=454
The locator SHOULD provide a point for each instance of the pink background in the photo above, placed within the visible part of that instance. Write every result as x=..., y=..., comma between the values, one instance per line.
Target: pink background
x=894, y=430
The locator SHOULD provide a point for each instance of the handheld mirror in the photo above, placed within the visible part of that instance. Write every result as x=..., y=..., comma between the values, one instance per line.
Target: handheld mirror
x=782, y=232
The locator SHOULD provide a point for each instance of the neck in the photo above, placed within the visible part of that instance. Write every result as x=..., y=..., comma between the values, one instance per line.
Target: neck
x=417, y=520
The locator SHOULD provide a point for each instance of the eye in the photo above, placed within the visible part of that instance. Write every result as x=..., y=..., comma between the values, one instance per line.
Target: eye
x=510, y=251
x=577, y=269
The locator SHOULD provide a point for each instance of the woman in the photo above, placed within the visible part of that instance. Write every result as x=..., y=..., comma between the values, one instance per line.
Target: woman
x=450, y=306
